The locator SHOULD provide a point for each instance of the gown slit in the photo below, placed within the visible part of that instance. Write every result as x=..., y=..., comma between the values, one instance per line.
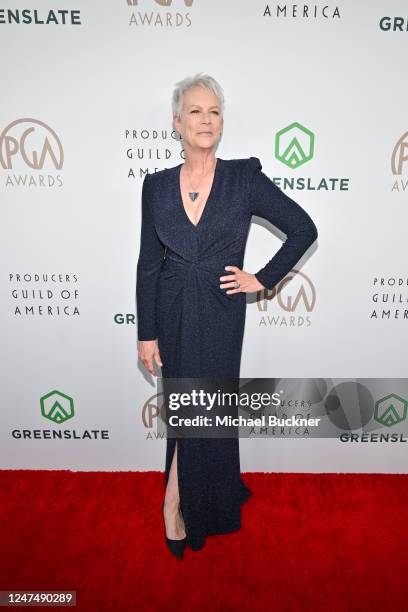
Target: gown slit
x=173, y=448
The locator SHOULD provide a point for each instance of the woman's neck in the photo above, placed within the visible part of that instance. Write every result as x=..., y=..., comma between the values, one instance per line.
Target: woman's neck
x=200, y=163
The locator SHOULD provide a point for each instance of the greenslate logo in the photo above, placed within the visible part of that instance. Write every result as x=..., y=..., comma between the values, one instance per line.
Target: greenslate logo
x=294, y=145
x=390, y=410
x=56, y=406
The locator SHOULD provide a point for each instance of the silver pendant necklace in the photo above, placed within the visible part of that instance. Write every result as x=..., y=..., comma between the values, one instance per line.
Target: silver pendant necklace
x=193, y=195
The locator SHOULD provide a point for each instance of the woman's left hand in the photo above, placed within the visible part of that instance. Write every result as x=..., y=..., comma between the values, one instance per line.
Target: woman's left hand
x=248, y=282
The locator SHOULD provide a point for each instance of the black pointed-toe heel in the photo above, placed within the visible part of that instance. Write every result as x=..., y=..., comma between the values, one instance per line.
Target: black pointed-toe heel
x=176, y=546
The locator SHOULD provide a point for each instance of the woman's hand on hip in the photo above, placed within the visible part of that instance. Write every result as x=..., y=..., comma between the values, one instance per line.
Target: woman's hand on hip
x=148, y=353
x=248, y=282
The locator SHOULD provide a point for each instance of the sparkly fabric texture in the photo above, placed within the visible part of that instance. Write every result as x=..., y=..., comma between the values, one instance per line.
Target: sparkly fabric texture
x=198, y=326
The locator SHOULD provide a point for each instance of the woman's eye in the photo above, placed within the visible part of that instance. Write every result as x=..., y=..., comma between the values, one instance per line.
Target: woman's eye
x=197, y=111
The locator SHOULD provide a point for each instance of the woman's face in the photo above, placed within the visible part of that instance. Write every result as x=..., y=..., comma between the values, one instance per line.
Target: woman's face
x=201, y=123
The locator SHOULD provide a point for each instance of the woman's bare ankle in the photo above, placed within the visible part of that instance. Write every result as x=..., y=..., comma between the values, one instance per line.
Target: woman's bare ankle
x=175, y=529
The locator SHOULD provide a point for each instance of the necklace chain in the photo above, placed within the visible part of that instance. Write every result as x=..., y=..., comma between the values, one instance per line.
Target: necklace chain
x=195, y=194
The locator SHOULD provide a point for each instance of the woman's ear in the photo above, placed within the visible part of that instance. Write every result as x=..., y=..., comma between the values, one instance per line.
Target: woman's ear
x=176, y=124
x=222, y=128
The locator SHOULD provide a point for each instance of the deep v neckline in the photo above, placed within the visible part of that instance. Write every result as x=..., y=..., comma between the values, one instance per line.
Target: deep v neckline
x=209, y=197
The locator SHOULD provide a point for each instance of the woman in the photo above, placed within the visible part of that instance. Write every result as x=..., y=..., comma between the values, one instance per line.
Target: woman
x=191, y=300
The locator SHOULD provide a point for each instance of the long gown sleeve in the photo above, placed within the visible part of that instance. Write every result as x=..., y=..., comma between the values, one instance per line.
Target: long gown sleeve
x=269, y=202
x=148, y=269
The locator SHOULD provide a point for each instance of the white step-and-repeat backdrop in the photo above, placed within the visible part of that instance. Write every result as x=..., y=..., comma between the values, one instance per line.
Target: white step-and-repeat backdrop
x=315, y=90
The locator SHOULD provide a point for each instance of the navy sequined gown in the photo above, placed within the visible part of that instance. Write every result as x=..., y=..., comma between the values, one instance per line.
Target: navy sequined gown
x=198, y=326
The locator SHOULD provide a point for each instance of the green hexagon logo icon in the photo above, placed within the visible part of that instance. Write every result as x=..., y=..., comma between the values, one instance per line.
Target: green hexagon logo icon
x=294, y=145
x=57, y=407
x=390, y=410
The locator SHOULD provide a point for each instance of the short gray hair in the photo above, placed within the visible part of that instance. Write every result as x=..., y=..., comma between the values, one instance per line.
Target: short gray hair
x=201, y=79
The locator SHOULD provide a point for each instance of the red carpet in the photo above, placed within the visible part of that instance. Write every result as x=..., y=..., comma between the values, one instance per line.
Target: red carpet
x=309, y=541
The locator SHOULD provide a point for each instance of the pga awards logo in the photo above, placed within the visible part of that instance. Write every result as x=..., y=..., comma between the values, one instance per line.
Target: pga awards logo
x=31, y=153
